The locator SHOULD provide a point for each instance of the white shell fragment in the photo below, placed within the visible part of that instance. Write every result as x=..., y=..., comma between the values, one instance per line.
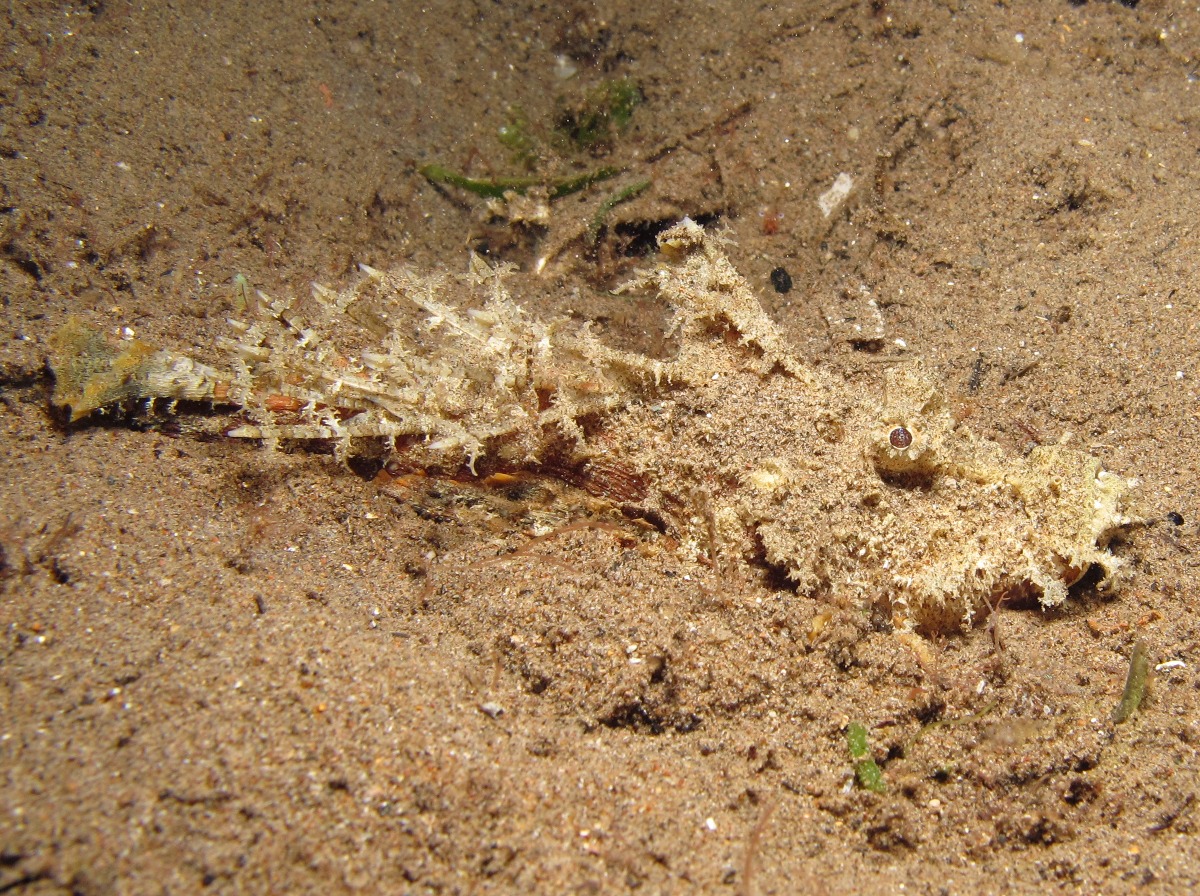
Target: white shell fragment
x=836, y=194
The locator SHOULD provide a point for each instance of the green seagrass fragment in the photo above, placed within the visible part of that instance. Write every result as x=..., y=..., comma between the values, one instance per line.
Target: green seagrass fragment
x=866, y=770
x=496, y=187
x=1135, y=683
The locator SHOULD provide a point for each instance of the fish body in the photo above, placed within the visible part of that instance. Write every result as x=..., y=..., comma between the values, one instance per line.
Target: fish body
x=736, y=447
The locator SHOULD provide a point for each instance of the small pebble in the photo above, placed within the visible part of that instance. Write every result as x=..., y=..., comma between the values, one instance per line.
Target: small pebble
x=781, y=280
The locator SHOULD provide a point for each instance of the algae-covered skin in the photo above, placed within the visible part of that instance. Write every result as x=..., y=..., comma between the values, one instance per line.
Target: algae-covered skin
x=734, y=446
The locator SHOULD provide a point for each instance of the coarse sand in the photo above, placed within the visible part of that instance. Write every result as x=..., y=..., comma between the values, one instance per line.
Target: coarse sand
x=229, y=670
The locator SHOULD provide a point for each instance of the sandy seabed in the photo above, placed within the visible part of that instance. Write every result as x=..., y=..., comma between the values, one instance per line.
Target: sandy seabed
x=229, y=670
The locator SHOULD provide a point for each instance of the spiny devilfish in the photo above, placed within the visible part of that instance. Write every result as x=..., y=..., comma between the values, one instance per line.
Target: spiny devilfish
x=733, y=445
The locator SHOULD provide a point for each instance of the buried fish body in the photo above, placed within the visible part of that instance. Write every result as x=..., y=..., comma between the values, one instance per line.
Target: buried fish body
x=733, y=445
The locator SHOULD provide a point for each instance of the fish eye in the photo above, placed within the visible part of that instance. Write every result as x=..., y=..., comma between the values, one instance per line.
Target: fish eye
x=900, y=438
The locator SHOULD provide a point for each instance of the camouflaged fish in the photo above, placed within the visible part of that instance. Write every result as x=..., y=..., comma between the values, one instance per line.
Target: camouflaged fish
x=733, y=446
